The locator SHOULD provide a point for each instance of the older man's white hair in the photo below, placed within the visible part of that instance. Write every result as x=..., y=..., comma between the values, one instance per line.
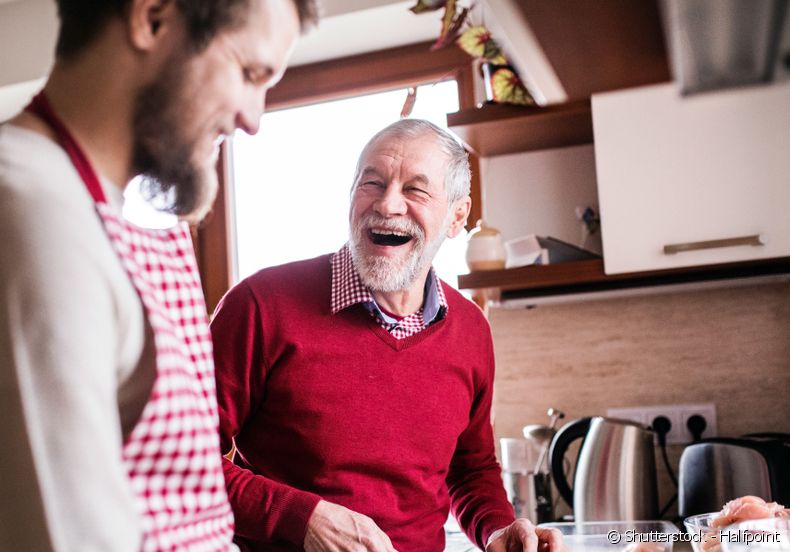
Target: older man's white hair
x=458, y=177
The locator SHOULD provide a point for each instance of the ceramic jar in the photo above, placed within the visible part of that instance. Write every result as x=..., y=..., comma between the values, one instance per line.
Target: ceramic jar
x=485, y=249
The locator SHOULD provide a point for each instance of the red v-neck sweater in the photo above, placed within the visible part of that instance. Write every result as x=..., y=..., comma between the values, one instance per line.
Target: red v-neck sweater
x=333, y=407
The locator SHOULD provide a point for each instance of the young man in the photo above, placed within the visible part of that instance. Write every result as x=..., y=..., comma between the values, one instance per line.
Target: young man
x=356, y=387
x=106, y=371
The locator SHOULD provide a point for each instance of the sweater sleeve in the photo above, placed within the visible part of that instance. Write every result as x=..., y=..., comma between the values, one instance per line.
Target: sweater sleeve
x=63, y=315
x=265, y=510
x=477, y=495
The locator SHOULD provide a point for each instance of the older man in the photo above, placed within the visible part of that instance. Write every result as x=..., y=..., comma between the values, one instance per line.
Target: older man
x=357, y=386
x=109, y=423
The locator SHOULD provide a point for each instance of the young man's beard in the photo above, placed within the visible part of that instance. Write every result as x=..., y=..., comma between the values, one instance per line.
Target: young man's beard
x=163, y=155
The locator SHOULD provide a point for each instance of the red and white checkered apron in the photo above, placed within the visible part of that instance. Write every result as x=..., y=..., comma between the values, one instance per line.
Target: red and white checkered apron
x=172, y=455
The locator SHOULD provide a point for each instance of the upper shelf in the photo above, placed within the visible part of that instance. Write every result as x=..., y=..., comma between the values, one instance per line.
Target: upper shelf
x=497, y=129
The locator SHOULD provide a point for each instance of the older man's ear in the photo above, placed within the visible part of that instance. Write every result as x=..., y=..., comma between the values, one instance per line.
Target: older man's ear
x=460, y=214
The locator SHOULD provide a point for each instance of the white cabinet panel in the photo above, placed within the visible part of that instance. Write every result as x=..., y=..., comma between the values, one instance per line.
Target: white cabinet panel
x=675, y=170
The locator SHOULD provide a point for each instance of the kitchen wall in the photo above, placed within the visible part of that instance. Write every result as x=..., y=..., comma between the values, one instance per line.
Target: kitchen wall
x=27, y=38
x=538, y=192
x=28, y=29
x=727, y=346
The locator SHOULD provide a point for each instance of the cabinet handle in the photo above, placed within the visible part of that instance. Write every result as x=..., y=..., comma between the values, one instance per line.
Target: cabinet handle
x=673, y=248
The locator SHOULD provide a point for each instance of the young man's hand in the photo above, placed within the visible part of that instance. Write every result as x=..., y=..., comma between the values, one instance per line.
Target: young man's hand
x=333, y=528
x=522, y=536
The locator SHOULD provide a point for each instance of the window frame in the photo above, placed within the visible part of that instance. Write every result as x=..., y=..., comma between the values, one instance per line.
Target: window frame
x=307, y=84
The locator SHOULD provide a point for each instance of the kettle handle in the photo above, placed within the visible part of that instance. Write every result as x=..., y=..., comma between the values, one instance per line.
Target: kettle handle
x=571, y=431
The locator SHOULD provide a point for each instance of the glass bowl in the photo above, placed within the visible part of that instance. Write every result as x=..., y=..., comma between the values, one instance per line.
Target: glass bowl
x=704, y=538
x=616, y=536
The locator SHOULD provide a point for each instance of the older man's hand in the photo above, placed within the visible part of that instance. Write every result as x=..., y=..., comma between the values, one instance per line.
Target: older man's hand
x=521, y=535
x=333, y=528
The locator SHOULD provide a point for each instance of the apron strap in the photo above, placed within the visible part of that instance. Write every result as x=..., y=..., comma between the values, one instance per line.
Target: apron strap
x=41, y=107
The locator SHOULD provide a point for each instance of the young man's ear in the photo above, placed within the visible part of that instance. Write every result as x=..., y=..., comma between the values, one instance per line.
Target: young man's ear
x=149, y=20
x=460, y=214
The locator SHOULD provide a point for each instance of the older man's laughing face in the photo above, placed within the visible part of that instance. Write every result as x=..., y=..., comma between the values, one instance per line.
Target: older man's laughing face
x=399, y=211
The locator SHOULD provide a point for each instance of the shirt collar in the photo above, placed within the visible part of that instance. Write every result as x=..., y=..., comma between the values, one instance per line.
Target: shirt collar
x=348, y=290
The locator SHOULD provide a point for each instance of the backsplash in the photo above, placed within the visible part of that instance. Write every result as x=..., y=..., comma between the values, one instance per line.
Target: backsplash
x=727, y=346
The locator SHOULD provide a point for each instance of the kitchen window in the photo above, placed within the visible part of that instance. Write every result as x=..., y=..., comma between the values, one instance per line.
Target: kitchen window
x=291, y=181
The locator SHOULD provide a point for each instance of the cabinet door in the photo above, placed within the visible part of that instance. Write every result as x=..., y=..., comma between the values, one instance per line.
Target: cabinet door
x=687, y=181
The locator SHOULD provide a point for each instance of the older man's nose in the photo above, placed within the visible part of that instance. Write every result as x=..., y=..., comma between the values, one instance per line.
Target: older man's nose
x=391, y=203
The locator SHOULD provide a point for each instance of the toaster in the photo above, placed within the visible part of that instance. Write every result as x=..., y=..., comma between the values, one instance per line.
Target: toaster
x=715, y=471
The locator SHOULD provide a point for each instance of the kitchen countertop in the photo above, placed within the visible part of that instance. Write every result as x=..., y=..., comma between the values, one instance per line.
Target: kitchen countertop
x=457, y=541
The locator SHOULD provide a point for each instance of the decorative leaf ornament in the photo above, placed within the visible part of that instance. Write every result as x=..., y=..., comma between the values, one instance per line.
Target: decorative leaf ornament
x=423, y=6
x=477, y=42
x=507, y=88
x=452, y=21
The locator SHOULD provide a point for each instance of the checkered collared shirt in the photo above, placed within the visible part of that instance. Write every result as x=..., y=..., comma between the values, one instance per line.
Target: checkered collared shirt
x=348, y=290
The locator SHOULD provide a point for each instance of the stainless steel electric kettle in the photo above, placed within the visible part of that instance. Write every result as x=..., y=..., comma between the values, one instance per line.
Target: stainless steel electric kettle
x=615, y=477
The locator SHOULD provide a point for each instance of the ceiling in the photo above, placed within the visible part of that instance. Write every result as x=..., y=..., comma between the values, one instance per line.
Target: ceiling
x=364, y=27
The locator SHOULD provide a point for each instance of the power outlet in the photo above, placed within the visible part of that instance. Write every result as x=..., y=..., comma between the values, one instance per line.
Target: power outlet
x=678, y=414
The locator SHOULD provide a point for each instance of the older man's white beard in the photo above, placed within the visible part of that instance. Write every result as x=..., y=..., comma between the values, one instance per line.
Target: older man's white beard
x=388, y=274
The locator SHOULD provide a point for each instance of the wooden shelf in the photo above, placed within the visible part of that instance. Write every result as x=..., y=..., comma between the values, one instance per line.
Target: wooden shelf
x=587, y=276
x=498, y=129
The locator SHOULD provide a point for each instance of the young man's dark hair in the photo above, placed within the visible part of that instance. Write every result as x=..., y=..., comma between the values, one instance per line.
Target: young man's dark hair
x=81, y=20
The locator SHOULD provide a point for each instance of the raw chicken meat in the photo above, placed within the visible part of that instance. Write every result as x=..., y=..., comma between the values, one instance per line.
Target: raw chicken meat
x=740, y=509
x=748, y=507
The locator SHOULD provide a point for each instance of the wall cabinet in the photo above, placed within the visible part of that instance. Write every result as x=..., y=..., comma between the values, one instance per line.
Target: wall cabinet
x=757, y=190
x=693, y=181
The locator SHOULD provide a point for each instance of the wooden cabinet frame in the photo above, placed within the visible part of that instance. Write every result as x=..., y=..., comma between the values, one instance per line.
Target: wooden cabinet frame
x=318, y=82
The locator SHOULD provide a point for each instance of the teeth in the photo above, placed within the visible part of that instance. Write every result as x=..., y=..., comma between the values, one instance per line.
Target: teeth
x=390, y=233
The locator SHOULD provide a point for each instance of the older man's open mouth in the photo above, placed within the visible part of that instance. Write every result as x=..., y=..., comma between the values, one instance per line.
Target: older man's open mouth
x=391, y=238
